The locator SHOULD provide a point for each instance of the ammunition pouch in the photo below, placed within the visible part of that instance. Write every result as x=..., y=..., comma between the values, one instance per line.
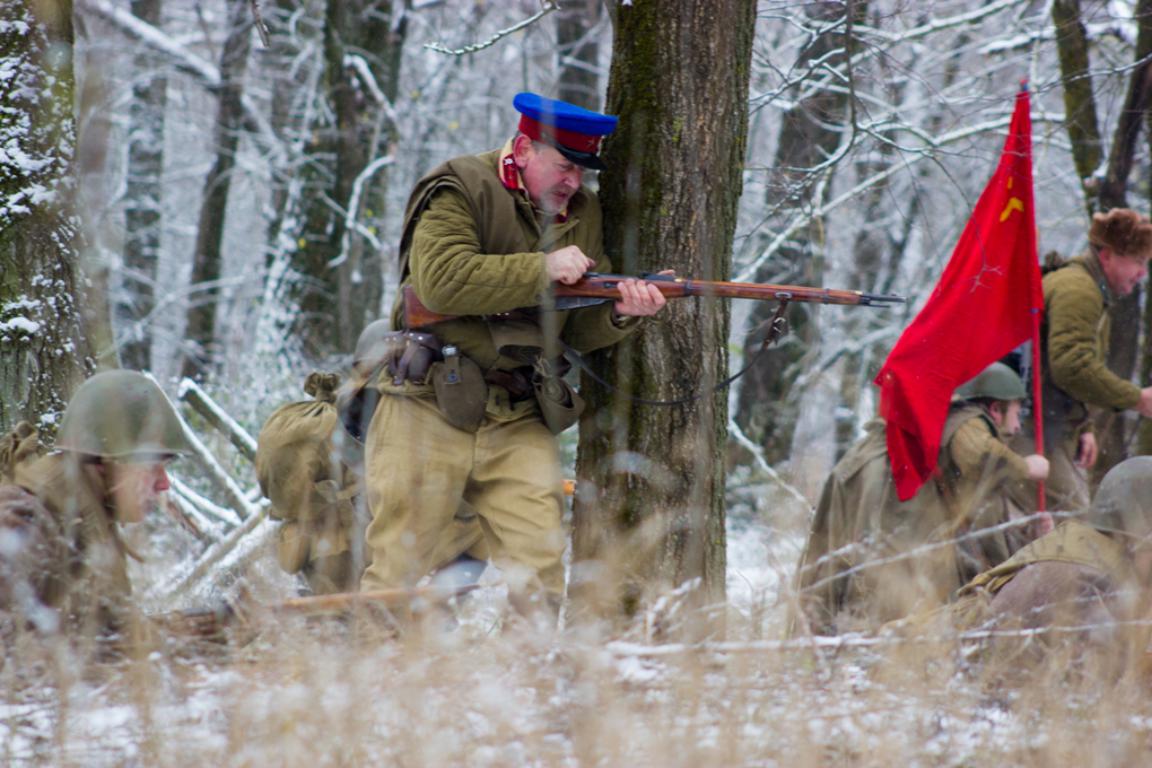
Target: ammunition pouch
x=560, y=404
x=517, y=382
x=461, y=392
x=410, y=355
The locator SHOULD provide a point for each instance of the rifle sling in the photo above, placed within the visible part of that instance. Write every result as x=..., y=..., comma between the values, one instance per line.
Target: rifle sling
x=777, y=325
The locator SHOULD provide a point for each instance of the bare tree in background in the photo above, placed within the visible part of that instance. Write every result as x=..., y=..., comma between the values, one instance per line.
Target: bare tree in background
x=143, y=198
x=1106, y=182
x=578, y=52
x=811, y=130
x=201, y=342
x=43, y=351
x=651, y=511
x=337, y=274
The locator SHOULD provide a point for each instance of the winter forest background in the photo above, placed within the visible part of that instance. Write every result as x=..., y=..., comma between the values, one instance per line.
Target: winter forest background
x=184, y=193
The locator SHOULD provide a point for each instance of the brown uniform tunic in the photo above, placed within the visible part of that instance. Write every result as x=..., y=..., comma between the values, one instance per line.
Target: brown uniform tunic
x=1076, y=377
x=872, y=558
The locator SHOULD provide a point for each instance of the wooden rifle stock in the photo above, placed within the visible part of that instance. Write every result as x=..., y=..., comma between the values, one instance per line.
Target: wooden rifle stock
x=596, y=288
x=209, y=623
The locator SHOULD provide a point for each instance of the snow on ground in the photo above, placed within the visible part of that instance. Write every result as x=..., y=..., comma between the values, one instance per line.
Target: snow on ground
x=473, y=692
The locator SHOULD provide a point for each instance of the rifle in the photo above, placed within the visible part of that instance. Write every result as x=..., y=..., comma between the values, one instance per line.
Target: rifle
x=596, y=288
x=210, y=623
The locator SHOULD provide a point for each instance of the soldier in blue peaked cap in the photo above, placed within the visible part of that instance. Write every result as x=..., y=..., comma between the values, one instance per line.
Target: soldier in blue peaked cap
x=574, y=131
x=483, y=235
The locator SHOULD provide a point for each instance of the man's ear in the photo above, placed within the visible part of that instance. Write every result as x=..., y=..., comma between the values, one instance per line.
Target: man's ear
x=997, y=409
x=522, y=150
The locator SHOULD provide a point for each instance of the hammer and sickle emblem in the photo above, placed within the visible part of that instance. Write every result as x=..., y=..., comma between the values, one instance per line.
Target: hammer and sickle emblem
x=1014, y=204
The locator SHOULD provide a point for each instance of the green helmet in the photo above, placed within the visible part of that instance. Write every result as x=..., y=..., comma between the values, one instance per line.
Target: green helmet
x=1123, y=503
x=121, y=415
x=996, y=382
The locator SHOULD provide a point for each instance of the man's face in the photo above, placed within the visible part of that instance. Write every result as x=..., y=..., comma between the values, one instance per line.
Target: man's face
x=551, y=178
x=1006, y=414
x=1123, y=272
x=135, y=488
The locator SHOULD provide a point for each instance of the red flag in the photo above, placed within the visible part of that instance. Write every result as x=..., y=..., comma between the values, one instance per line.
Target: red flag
x=988, y=302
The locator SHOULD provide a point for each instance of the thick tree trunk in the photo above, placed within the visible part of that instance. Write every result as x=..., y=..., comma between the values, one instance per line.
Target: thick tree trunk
x=43, y=351
x=810, y=133
x=200, y=335
x=142, y=200
x=650, y=511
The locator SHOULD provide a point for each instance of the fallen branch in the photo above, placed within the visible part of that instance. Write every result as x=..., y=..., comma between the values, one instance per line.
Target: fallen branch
x=191, y=393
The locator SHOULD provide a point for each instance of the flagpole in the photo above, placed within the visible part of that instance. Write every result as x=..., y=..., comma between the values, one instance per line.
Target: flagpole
x=1037, y=386
x=1037, y=405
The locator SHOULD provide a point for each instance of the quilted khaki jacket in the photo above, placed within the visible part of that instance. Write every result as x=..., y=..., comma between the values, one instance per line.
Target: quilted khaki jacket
x=473, y=248
x=1076, y=328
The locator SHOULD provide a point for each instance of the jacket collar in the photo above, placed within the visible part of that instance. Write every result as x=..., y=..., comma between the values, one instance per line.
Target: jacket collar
x=1090, y=261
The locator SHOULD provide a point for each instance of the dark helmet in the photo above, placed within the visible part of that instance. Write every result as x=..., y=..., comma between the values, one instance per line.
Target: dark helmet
x=996, y=382
x=121, y=415
x=1123, y=503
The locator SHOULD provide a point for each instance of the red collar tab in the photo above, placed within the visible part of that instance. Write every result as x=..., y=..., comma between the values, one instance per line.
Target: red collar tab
x=509, y=173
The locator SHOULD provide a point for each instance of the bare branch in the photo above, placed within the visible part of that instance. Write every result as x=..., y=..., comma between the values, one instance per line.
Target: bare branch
x=547, y=7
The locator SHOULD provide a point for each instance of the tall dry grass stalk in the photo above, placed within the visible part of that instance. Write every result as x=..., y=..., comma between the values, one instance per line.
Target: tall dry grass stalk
x=465, y=690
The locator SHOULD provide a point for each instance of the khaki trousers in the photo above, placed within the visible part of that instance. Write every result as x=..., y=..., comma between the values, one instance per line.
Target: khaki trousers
x=419, y=468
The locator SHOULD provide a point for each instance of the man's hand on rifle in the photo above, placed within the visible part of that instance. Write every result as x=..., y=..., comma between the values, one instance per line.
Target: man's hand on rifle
x=567, y=265
x=640, y=298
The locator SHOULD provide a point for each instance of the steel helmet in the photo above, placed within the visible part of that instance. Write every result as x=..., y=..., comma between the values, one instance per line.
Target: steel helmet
x=121, y=415
x=1123, y=503
x=996, y=382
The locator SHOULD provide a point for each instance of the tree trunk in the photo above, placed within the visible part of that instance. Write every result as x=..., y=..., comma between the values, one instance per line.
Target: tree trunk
x=650, y=512
x=1116, y=429
x=142, y=198
x=200, y=334
x=43, y=349
x=342, y=270
x=810, y=133
x=1144, y=437
x=1079, y=101
x=578, y=52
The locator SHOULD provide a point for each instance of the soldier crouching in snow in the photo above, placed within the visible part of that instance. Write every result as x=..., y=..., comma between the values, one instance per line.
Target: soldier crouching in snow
x=1087, y=582
x=63, y=563
x=871, y=558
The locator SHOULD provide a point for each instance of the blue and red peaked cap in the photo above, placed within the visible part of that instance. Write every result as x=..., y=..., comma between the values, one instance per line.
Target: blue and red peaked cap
x=575, y=132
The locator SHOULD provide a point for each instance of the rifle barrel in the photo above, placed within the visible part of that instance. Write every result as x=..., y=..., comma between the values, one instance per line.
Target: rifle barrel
x=596, y=285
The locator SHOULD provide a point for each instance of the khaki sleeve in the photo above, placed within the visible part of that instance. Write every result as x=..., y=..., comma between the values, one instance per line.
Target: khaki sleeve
x=450, y=274
x=1075, y=309
x=976, y=450
x=587, y=330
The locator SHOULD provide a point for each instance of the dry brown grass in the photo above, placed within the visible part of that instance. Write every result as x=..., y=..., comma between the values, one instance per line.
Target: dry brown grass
x=344, y=693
